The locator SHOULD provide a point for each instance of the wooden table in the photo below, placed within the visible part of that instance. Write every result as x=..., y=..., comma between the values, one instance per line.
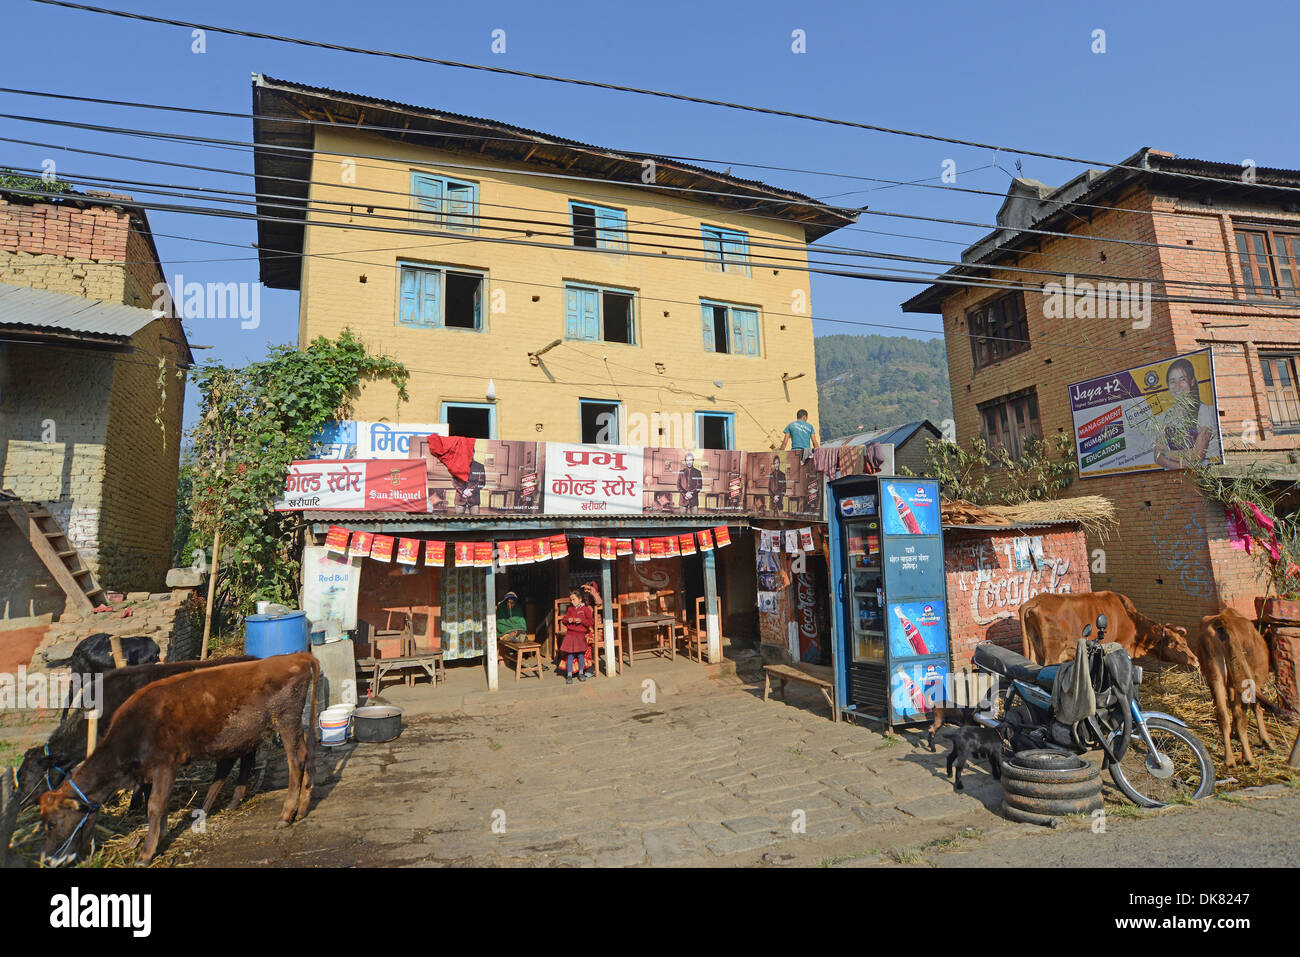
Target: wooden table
x=655, y=621
x=526, y=655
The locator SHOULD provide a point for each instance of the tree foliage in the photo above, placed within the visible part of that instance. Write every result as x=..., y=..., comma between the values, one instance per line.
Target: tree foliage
x=987, y=476
x=873, y=382
x=253, y=422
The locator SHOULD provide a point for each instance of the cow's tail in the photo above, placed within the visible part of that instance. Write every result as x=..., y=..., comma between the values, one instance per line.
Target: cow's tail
x=312, y=727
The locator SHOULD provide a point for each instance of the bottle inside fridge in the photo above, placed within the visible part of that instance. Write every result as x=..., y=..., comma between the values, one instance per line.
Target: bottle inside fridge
x=867, y=613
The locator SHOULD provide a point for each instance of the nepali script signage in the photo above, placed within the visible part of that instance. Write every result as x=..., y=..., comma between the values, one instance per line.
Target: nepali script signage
x=356, y=485
x=349, y=439
x=593, y=480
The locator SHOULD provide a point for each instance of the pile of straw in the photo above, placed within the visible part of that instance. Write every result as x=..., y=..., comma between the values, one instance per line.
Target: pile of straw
x=1095, y=513
x=1183, y=693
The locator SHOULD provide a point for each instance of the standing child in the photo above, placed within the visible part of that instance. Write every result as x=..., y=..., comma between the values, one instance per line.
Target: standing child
x=579, y=623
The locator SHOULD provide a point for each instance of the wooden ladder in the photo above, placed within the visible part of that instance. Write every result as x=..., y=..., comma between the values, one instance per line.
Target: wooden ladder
x=51, y=545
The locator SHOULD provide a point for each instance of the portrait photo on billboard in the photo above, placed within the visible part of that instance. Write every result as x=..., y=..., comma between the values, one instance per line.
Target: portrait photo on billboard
x=497, y=478
x=1161, y=416
x=782, y=485
x=693, y=481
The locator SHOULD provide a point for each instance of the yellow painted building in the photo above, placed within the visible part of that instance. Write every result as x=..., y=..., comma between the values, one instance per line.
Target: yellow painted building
x=538, y=288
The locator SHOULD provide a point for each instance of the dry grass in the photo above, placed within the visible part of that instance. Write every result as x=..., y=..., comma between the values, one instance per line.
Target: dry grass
x=1183, y=693
x=1095, y=513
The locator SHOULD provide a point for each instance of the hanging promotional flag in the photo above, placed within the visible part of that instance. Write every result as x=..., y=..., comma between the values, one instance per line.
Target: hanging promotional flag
x=672, y=547
x=806, y=538
x=542, y=550
x=508, y=552
x=624, y=546
x=523, y=551
x=482, y=554
x=465, y=553
x=706, y=540
x=435, y=554
x=382, y=549
x=608, y=549
x=792, y=541
x=559, y=546
x=408, y=550
x=686, y=543
x=337, y=539
x=591, y=548
x=658, y=547
x=641, y=549
x=360, y=546
x=722, y=535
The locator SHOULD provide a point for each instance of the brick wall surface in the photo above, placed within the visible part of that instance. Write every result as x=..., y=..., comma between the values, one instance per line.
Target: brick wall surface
x=162, y=616
x=986, y=587
x=78, y=425
x=1171, y=554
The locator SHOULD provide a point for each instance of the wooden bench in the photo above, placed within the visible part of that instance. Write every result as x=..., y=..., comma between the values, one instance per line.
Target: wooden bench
x=803, y=676
x=429, y=661
x=520, y=652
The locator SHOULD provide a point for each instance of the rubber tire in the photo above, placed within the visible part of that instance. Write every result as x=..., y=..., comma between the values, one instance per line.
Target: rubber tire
x=1045, y=759
x=1057, y=807
x=1026, y=817
x=1207, y=765
x=1036, y=790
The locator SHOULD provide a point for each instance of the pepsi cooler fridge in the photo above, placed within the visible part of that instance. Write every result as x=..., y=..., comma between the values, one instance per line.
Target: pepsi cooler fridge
x=890, y=650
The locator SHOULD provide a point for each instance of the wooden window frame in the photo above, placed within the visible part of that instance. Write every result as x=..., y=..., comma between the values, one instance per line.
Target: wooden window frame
x=721, y=236
x=1276, y=395
x=442, y=216
x=606, y=239
x=1269, y=259
x=1005, y=412
x=997, y=333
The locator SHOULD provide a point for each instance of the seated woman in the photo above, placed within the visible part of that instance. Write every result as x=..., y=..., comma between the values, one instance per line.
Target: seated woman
x=510, y=619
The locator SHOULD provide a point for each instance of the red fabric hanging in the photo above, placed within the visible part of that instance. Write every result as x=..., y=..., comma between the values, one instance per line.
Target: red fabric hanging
x=454, y=452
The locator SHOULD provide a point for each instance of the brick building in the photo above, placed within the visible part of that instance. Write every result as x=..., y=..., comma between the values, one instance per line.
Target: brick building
x=79, y=393
x=1224, y=244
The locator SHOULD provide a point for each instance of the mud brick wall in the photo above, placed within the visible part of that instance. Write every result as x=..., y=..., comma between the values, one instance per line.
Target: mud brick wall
x=986, y=586
x=164, y=617
x=1286, y=649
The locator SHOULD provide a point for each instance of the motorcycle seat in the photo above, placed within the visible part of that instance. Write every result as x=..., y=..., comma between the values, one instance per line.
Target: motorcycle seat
x=1005, y=662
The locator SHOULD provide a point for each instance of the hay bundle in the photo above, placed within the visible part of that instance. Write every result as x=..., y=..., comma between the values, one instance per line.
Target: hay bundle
x=1095, y=513
x=960, y=512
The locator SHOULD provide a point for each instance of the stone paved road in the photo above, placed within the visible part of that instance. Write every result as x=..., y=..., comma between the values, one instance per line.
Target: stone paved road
x=707, y=775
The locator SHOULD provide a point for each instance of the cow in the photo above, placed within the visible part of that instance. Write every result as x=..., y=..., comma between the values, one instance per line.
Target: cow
x=44, y=768
x=1235, y=661
x=94, y=655
x=1053, y=623
x=212, y=714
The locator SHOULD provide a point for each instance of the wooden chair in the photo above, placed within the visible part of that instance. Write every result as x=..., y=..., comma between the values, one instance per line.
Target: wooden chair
x=668, y=605
x=413, y=658
x=697, y=638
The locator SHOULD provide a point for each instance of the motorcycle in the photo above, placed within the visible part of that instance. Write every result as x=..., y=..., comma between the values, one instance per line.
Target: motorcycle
x=1153, y=758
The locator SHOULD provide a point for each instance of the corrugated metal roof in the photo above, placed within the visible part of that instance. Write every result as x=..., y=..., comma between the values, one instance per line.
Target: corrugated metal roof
x=1014, y=526
x=894, y=435
x=42, y=309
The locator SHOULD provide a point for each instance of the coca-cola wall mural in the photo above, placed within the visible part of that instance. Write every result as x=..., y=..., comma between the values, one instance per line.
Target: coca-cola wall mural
x=790, y=590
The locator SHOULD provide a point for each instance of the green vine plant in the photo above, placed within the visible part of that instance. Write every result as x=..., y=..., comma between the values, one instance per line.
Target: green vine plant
x=984, y=475
x=253, y=422
x=162, y=399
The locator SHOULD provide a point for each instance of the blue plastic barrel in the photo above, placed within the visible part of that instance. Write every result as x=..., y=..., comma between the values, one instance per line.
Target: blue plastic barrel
x=267, y=635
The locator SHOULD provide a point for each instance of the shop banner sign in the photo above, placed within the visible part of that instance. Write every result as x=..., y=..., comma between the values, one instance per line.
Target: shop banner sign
x=330, y=585
x=1158, y=416
x=593, y=479
x=337, y=485
x=350, y=439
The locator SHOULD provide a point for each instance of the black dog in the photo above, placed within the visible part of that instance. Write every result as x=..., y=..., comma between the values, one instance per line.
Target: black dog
x=94, y=655
x=973, y=742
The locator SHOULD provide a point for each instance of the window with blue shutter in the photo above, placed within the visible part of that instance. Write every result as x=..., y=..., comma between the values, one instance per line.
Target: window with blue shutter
x=726, y=249
x=598, y=227
x=729, y=329
x=595, y=314
x=449, y=203
x=434, y=298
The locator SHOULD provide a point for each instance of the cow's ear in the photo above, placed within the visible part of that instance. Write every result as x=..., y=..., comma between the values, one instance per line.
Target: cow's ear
x=1181, y=630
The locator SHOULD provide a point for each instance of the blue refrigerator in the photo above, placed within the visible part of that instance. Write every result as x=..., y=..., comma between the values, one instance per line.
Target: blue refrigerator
x=890, y=651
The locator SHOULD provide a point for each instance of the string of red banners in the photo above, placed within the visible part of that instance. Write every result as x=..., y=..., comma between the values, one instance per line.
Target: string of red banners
x=438, y=554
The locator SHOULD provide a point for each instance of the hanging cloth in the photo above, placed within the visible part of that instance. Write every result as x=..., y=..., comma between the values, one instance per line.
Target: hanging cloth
x=455, y=452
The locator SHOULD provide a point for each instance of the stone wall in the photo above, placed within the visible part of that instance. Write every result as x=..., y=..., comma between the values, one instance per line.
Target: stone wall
x=164, y=617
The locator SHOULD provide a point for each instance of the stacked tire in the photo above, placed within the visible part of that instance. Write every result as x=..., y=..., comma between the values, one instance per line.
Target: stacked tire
x=1041, y=786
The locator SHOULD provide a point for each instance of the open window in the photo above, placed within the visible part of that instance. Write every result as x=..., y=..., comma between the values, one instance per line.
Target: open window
x=598, y=314
x=729, y=329
x=599, y=421
x=431, y=297
x=470, y=419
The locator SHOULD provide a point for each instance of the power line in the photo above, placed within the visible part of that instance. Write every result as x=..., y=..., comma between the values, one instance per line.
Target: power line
x=642, y=91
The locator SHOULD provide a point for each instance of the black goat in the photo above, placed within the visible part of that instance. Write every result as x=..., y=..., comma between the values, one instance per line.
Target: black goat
x=969, y=743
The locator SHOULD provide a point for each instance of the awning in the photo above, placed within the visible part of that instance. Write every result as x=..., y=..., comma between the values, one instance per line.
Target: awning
x=57, y=312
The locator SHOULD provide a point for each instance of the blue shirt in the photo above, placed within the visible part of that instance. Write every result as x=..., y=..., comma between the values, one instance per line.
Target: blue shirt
x=800, y=433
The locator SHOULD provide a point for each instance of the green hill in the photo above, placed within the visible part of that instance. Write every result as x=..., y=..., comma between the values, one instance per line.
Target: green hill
x=871, y=382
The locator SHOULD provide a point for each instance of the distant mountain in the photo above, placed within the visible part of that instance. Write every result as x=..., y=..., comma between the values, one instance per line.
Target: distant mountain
x=871, y=382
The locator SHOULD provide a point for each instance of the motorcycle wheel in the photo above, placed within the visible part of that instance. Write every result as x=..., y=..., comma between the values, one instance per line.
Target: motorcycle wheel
x=1193, y=775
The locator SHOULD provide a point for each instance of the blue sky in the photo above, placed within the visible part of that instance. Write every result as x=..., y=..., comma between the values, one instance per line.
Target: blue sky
x=1189, y=77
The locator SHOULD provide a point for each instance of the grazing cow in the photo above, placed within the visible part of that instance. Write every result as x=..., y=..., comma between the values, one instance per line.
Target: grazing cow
x=1051, y=625
x=213, y=714
x=1234, y=659
x=44, y=768
x=94, y=655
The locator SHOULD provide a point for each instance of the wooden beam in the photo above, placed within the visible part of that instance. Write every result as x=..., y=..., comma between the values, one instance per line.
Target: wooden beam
x=46, y=552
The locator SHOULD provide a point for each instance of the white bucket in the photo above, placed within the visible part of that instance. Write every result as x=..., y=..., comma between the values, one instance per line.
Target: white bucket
x=334, y=722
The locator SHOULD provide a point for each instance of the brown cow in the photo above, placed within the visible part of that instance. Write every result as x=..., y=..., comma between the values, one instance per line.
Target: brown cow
x=48, y=765
x=1052, y=625
x=211, y=715
x=1235, y=662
